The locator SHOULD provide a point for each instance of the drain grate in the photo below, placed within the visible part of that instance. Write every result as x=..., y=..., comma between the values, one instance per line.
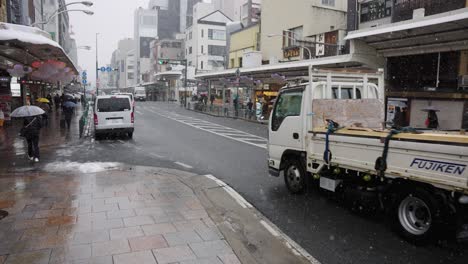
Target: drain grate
x=3, y=214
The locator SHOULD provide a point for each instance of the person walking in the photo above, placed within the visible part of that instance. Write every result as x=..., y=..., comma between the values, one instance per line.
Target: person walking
x=31, y=130
x=250, y=108
x=57, y=101
x=68, y=112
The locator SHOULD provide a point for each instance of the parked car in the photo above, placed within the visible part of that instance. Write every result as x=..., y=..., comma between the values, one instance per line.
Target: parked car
x=114, y=114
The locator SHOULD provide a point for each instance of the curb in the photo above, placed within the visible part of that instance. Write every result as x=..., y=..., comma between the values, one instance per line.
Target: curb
x=267, y=224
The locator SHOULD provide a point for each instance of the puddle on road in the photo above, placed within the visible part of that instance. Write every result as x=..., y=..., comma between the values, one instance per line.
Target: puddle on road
x=87, y=167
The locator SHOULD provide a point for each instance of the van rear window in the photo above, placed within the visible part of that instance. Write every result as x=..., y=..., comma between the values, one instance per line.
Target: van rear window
x=113, y=105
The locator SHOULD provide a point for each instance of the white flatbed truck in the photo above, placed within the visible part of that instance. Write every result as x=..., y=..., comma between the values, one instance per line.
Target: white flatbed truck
x=419, y=178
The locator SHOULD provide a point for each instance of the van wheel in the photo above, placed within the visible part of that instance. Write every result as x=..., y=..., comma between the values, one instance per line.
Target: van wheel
x=294, y=176
x=130, y=135
x=417, y=215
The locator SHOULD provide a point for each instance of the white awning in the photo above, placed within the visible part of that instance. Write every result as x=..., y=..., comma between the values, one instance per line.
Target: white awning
x=169, y=75
x=25, y=45
x=349, y=60
x=436, y=33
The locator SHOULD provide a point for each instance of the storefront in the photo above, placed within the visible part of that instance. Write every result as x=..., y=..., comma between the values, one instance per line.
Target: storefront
x=426, y=68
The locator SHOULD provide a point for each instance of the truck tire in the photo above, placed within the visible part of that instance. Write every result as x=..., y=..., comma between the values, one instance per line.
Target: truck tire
x=417, y=215
x=294, y=176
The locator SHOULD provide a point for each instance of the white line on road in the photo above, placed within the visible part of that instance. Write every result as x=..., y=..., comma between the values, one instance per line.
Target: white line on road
x=138, y=112
x=156, y=155
x=220, y=134
x=183, y=165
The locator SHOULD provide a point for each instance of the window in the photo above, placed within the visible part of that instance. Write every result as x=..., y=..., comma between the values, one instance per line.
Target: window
x=232, y=63
x=202, y=33
x=328, y=2
x=202, y=50
x=130, y=67
x=291, y=37
x=201, y=65
x=288, y=104
x=113, y=105
x=217, y=63
x=346, y=93
x=216, y=50
x=216, y=34
x=240, y=62
x=190, y=50
x=176, y=45
x=190, y=35
x=130, y=76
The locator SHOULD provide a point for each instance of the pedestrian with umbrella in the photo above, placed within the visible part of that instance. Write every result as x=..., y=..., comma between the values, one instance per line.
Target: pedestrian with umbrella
x=68, y=109
x=31, y=128
x=44, y=105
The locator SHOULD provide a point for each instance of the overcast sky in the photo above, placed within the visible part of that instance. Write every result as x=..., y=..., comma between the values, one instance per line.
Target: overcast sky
x=113, y=19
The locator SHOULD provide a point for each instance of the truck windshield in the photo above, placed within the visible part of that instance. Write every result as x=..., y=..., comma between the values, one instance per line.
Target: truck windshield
x=288, y=104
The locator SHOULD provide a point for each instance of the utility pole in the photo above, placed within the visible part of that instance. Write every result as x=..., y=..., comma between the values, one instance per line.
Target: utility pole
x=185, y=82
x=42, y=14
x=97, y=67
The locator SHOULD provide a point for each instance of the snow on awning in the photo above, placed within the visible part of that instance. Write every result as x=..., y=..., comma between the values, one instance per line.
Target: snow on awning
x=25, y=45
x=297, y=68
x=436, y=33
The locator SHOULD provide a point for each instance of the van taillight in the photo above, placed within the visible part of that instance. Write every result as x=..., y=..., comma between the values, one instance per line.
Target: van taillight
x=133, y=117
x=96, y=121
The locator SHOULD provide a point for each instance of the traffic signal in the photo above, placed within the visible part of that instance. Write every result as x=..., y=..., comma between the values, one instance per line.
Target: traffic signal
x=163, y=62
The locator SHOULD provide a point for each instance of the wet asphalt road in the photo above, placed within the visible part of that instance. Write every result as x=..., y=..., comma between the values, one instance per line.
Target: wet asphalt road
x=329, y=232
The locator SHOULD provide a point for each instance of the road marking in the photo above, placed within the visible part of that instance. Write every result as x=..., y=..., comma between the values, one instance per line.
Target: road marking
x=156, y=155
x=121, y=141
x=269, y=228
x=214, y=130
x=138, y=112
x=218, y=181
x=183, y=165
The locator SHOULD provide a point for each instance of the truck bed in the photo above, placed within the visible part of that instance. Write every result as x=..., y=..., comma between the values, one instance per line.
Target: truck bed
x=435, y=158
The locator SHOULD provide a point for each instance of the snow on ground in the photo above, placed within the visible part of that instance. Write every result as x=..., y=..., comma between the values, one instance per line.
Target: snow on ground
x=88, y=167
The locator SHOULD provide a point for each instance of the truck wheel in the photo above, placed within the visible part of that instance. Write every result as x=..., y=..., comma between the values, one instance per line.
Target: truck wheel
x=417, y=215
x=294, y=176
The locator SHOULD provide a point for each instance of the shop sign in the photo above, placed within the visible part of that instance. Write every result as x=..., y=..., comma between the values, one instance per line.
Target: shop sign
x=292, y=52
x=4, y=79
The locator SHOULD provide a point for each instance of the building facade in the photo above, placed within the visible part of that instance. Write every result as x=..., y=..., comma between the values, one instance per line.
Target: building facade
x=303, y=23
x=242, y=42
x=426, y=56
x=146, y=30
x=206, y=39
x=119, y=62
x=3, y=11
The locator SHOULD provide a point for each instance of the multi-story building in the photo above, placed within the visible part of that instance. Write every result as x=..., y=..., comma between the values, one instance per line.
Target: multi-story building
x=245, y=42
x=146, y=30
x=425, y=47
x=206, y=39
x=14, y=11
x=119, y=77
x=302, y=23
x=3, y=11
x=130, y=68
x=245, y=11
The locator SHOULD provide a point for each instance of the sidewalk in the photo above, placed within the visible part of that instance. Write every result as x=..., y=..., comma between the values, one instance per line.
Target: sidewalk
x=112, y=213
x=14, y=148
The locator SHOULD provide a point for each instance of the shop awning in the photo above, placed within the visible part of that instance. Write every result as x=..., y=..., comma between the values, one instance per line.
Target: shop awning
x=436, y=33
x=297, y=68
x=24, y=45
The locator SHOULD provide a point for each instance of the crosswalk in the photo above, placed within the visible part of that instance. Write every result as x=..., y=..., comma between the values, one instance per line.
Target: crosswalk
x=217, y=129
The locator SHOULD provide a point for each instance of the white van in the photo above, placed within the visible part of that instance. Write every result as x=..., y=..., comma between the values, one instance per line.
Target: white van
x=140, y=94
x=114, y=114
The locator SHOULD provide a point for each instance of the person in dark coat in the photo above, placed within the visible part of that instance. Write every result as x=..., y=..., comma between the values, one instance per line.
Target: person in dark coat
x=432, y=120
x=31, y=129
x=57, y=101
x=68, y=112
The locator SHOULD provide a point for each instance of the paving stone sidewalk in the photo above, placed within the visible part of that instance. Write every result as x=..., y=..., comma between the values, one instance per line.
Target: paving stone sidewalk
x=117, y=216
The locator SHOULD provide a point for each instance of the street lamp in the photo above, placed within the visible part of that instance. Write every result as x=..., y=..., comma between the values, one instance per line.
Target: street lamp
x=88, y=12
x=295, y=39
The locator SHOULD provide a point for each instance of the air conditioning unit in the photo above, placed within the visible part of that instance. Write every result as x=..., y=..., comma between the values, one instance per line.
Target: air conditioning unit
x=463, y=81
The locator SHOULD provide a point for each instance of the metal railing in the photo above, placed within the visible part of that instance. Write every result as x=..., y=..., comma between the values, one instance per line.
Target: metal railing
x=226, y=111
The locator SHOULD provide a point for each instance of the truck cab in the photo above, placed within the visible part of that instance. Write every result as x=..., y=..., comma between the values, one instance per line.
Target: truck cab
x=293, y=116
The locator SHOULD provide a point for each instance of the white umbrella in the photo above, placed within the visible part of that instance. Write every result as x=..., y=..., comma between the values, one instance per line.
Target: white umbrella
x=27, y=110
